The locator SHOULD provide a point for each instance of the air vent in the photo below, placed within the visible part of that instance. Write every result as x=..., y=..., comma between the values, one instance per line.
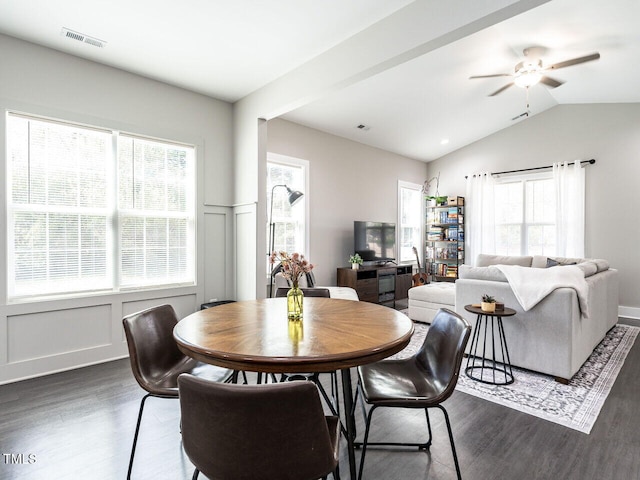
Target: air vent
x=363, y=127
x=81, y=37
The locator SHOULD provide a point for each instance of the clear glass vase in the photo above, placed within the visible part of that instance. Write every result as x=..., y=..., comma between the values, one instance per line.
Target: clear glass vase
x=294, y=303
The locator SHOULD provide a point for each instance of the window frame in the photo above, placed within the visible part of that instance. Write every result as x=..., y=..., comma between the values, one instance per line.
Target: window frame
x=403, y=185
x=524, y=226
x=278, y=159
x=113, y=234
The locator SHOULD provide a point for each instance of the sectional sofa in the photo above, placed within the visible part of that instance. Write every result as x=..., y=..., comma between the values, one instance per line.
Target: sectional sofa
x=559, y=333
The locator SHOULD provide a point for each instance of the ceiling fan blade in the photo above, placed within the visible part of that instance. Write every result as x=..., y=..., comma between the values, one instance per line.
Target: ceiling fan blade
x=551, y=82
x=500, y=90
x=490, y=76
x=574, y=61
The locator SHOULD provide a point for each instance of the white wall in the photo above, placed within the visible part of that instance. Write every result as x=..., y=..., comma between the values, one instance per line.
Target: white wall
x=348, y=181
x=42, y=337
x=609, y=133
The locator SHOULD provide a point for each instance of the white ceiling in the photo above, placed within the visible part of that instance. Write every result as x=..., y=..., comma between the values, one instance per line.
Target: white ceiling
x=228, y=49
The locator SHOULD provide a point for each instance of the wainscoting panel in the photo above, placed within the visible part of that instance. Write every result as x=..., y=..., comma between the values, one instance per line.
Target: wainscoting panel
x=31, y=336
x=218, y=263
x=183, y=305
x=245, y=255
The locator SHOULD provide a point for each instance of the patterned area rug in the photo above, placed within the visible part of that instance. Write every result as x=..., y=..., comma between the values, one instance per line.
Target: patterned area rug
x=575, y=405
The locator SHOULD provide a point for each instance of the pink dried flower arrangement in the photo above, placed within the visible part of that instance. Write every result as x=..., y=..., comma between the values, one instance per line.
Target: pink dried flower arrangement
x=293, y=265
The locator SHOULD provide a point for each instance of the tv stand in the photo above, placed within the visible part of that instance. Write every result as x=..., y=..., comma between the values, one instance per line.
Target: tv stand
x=383, y=284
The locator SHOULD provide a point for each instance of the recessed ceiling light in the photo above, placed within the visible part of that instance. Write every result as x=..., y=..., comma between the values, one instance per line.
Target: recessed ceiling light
x=444, y=141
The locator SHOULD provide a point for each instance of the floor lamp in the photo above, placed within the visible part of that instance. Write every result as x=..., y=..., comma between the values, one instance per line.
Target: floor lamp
x=294, y=196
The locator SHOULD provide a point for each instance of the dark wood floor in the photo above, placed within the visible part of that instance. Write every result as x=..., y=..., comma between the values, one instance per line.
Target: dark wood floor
x=79, y=424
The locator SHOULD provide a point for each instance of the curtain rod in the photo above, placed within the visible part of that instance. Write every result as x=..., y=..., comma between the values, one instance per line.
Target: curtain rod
x=590, y=162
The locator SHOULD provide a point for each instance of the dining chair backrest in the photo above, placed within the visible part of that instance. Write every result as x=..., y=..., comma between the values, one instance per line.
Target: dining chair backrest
x=443, y=349
x=307, y=292
x=152, y=349
x=256, y=432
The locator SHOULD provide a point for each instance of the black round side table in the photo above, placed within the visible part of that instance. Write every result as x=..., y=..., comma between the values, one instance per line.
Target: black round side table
x=482, y=363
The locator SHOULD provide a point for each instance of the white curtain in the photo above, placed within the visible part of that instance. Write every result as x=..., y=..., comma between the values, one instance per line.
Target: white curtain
x=569, y=186
x=480, y=221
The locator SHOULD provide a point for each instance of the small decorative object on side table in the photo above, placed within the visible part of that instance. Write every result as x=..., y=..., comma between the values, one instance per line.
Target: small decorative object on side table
x=482, y=363
x=488, y=303
x=293, y=266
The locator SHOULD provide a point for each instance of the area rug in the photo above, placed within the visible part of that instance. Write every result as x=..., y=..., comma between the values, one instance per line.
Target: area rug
x=575, y=405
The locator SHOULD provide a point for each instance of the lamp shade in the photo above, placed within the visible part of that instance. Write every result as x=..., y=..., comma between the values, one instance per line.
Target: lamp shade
x=294, y=196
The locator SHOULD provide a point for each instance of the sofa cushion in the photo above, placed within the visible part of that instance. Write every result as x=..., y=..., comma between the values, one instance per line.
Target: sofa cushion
x=437, y=292
x=552, y=262
x=588, y=268
x=491, y=273
x=485, y=260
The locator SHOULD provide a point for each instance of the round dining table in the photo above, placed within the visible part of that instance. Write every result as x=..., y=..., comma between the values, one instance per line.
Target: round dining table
x=334, y=334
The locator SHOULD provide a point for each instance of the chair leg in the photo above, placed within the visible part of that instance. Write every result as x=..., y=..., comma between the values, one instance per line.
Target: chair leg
x=364, y=442
x=135, y=435
x=196, y=472
x=453, y=445
x=336, y=473
x=428, y=444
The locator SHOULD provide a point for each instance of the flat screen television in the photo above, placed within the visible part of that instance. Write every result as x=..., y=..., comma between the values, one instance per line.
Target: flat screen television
x=375, y=241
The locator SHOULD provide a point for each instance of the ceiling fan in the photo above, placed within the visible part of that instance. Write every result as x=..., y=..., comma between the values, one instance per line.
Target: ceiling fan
x=531, y=70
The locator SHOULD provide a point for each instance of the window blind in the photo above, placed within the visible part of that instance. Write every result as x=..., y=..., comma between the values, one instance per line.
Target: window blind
x=76, y=208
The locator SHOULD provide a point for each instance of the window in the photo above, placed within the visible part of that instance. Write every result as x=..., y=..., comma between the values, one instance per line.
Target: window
x=290, y=221
x=92, y=209
x=525, y=215
x=410, y=220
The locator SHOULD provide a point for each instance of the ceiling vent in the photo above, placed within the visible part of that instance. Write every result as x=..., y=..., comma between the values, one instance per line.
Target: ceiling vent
x=363, y=127
x=81, y=37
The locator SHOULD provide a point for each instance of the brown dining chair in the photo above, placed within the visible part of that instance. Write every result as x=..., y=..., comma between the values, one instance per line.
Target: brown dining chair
x=424, y=380
x=257, y=432
x=156, y=360
x=314, y=377
x=307, y=292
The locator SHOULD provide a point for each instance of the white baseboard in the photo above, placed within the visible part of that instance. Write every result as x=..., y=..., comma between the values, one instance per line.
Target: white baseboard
x=629, y=312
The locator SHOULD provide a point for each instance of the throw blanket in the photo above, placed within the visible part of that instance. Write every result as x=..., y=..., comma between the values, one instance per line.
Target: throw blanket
x=531, y=285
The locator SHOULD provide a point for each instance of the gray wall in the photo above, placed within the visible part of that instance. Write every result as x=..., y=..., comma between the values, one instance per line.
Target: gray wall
x=610, y=133
x=348, y=181
x=46, y=336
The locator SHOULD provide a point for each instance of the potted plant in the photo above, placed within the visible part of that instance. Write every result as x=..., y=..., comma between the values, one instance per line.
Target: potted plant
x=488, y=303
x=355, y=260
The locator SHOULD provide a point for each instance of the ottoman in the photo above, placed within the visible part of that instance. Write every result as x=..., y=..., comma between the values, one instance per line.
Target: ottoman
x=426, y=300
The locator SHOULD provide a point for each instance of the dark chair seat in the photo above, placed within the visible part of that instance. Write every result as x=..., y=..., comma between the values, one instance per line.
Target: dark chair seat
x=397, y=383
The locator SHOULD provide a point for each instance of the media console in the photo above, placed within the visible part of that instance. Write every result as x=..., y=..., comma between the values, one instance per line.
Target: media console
x=378, y=284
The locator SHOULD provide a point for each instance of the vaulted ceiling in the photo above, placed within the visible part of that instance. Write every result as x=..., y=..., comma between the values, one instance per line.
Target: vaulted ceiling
x=422, y=108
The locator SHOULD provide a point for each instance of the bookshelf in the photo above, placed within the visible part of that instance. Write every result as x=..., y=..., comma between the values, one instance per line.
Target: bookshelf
x=444, y=241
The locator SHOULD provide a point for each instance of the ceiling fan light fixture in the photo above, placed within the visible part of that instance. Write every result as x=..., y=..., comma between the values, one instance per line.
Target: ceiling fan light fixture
x=528, y=73
x=527, y=79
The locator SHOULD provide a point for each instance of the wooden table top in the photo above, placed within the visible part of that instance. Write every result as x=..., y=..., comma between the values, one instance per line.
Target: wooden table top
x=255, y=335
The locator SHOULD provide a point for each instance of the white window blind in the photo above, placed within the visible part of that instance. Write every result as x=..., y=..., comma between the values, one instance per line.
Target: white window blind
x=156, y=212
x=62, y=210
